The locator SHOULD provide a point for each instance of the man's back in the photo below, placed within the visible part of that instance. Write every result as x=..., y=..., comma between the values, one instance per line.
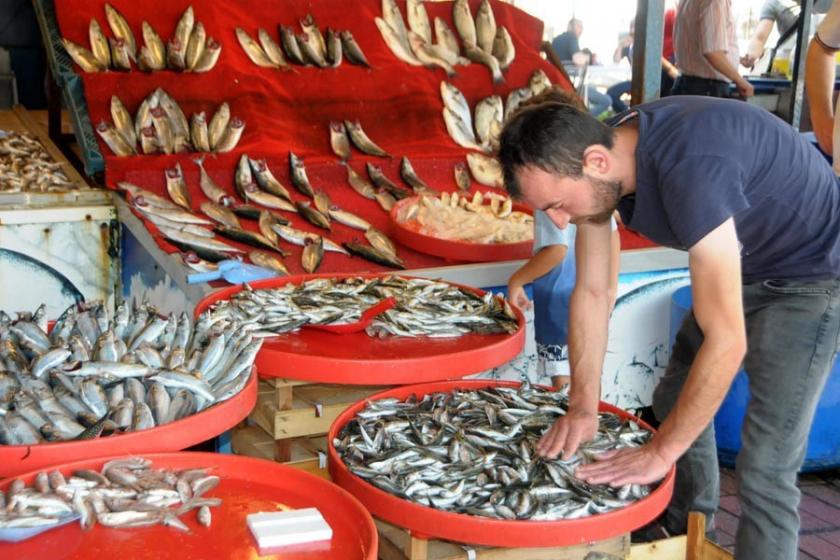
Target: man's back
x=566, y=45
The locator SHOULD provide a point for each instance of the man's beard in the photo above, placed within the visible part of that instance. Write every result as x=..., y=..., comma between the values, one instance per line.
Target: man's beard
x=606, y=194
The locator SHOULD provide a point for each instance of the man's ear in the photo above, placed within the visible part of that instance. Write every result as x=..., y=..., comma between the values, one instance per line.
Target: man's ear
x=596, y=160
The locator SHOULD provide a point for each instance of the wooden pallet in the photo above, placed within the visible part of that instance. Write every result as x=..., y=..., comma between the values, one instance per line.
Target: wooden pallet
x=396, y=543
x=306, y=453
x=289, y=409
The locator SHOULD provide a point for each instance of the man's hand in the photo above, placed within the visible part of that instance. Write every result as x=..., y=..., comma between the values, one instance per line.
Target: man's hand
x=748, y=61
x=639, y=465
x=745, y=89
x=516, y=294
x=567, y=433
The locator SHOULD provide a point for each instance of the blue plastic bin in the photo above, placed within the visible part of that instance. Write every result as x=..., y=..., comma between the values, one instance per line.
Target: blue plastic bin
x=824, y=440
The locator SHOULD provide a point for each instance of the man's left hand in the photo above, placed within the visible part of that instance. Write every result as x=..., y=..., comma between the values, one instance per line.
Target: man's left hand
x=639, y=465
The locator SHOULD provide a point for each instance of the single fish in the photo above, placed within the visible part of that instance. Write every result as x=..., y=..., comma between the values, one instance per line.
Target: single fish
x=485, y=26
x=250, y=212
x=231, y=136
x=220, y=214
x=361, y=140
x=199, y=132
x=299, y=237
x=156, y=58
x=203, y=246
x=195, y=46
x=83, y=57
x=253, y=49
x=219, y=124
x=99, y=44
x=477, y=55
x=400, y=48
x=352, y=50
x=410, y=177
x=269, y=261
x=210, y=56
x=348, y=219
x=180, y=125
x=381, y=242
x=310, y=53
x=313, y=216
x=322, y=201
x=248, y=238
x=176, y=214
x=120, y=29
x=418, y=20
x=120, y=57
x=184, y=29
x=455, y=101
x=459, y=132
x=486, y=170
x=392, y=16
x=114, y=140
x=123, y=121
x=177, y=187
x=310, y=29
x=515, y=98
x=204, y=516
x=462, y=176
x=266, y=179
x=428, y=56
x=271, y=49
x=176, y=53
x=373, y=255
x=464, y=23
x=209, y=187
x=503, y=48
x=359, y=184
x=254, y=194
x=381, y=181
x=163, y=130
x=489, y=110
x=290, y=45
x=445, y=37
x=385, y=200
x=339, y=142
x=334, y=51
x=312, y=255
x=299, y=178
x=265, y=222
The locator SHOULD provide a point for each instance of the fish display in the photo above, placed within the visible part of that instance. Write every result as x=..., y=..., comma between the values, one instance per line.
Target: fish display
x=124, y=493
x=481, y=218
x=484, y=42
x=310, y=48
x=92, y=375
x=425, y=308
x=473, y=452
x=160, y=127
x=189, y=50
x=25, y=166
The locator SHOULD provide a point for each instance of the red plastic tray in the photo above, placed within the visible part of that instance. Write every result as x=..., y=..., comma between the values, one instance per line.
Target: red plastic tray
x=16, y=459
x=358, y=359
x=248, y=486
x=426, y=522
x=408, y=235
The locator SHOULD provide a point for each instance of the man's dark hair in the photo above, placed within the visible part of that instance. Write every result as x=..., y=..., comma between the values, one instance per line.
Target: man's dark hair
x=551, y=136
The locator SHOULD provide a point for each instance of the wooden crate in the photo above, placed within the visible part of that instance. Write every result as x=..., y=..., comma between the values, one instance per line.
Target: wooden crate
x=397, y=544
x=305, y=453
x=290, y=409
x=693, y=546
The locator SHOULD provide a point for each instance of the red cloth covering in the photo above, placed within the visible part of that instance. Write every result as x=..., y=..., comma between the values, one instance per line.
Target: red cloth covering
x=398, y=105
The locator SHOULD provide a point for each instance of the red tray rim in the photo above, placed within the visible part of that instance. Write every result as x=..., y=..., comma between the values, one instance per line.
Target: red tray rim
x=453, y=249
x=217, y=459
x=273, y=363
x=170, y=437
x=425, y=521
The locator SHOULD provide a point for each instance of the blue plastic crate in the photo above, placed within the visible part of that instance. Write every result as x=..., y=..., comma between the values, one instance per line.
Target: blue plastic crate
x=74, y=100
x=61, y=65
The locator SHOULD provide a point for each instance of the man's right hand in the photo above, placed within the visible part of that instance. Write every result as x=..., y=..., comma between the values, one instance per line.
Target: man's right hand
x=745, y=89
x=516, y=294
x=567, y=433
x=748, y=61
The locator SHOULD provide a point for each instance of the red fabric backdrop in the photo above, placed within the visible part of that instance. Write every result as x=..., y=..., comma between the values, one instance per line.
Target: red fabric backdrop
x=398, y=105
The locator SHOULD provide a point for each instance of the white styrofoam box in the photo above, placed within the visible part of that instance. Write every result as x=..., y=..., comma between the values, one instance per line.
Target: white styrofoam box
x=283, y=528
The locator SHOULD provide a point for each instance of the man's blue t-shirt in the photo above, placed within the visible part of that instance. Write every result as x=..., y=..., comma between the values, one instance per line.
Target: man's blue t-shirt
x=565, y=45
x=702, y=160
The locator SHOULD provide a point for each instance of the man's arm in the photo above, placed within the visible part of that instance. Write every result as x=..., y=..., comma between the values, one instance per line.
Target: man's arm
x=669, y=68
x=588, y=328
x=721, y=63
x=757, y=42
x=543, y=262
x=715, y=265
x=819, y=86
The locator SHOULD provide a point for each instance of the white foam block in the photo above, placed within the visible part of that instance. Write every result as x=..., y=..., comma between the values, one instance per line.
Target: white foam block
x=283, y=528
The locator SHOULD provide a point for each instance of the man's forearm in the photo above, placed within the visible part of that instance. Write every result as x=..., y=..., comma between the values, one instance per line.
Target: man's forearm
x=588, y=330
x=819, y=82
x=720, y=63
x=711, y=374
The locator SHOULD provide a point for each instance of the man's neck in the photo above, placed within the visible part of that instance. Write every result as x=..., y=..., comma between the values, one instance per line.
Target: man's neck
x=624, y=150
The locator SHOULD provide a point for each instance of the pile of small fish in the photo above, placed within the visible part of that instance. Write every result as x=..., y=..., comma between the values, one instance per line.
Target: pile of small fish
x=26, y=166
x=160, y=127
x=124, y=493
x=310, y=48
x=484, y=218
x=483, y=41
x=427, y=308
x=190, y=50
x=90, y=375
x=490, y=113
x=474, y=452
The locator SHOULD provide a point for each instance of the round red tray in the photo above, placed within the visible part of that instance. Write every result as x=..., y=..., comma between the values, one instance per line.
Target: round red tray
x=16, y=459
x=358, y=359
x=248, y=486
x=426, y=522
x=409, y=235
